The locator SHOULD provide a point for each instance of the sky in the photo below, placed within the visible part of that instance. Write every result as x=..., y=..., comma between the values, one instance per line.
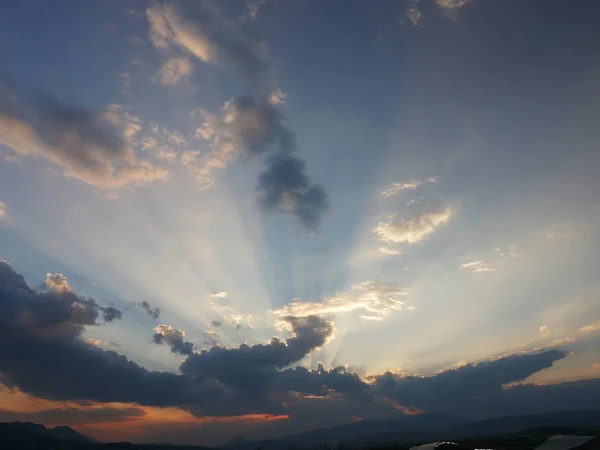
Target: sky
x=256, y=218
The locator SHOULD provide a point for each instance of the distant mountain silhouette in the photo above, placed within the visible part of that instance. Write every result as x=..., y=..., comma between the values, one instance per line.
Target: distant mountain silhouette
x=403, y=432
x=356, y=430
x=426, y=428
x=498, y=426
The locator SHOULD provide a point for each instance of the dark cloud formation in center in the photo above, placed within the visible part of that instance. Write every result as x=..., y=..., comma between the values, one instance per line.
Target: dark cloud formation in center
x=252, y=367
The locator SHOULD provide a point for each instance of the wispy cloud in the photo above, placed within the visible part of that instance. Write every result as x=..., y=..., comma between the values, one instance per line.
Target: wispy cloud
x=591, y=328
x=451, y=6
x=3, y=213
x=414, y=225
x=378, y=299
x=174, y=70
x=414, y=14
x=388, y=251
x=397, y=188
x=478, y=267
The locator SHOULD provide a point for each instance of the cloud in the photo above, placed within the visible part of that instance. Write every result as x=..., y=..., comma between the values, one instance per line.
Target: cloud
x=251, y=125
x=253, y=8
x=202, y=30
x=397, y=188
x=321, y=381
x=216, y=323
x=451, y=6
x=152, y=312
x=3, y=214
x=414, y=14
x=42, y=353
x=545, y=330
x=473, y=390
x=477, y=267
x=416, y=224
x=388, y=251
x=253, y=367
x=173, y=337
x=285, y=186
x=174, y=70
x=57, y=282
x=379, y=299
x=86, y=144
x=592, y=328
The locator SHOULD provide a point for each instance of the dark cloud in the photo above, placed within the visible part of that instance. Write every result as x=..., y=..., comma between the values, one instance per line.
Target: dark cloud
x=320, y=381
x=216, y=323
x=285, y=186
x=254, y=127
x=254, y=367
x=470, y=390
x=42, y=353
x=86, y=144
x=152, y=312
x=174, y=338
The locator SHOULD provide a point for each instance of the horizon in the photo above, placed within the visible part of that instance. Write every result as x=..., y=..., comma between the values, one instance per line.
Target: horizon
x=258, y=218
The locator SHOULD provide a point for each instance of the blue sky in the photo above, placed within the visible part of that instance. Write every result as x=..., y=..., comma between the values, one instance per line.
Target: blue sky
x=421, y=176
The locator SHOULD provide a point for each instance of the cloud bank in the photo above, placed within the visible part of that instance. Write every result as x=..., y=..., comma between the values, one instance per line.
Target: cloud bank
x=43, y=353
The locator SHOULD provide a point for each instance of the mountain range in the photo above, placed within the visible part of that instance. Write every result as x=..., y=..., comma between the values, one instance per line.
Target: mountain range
x=404, y=432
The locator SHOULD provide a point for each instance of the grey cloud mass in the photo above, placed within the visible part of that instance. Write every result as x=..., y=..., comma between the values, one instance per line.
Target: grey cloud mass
x=42, y=353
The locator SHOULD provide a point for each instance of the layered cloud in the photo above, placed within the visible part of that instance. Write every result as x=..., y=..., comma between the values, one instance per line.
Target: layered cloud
x=85, y=144
x=420, y=220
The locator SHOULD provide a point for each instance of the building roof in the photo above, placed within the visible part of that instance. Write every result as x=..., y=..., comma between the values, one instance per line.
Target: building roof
x=564, y=442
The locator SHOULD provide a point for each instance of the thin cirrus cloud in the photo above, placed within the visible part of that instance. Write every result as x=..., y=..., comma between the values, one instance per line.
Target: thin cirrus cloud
x=3, y=213
x=451, y=6
x=397, y=188
x=477, y=267
x=415, y=224
x=251, y=126
x=85, y=144
x=375, y=298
